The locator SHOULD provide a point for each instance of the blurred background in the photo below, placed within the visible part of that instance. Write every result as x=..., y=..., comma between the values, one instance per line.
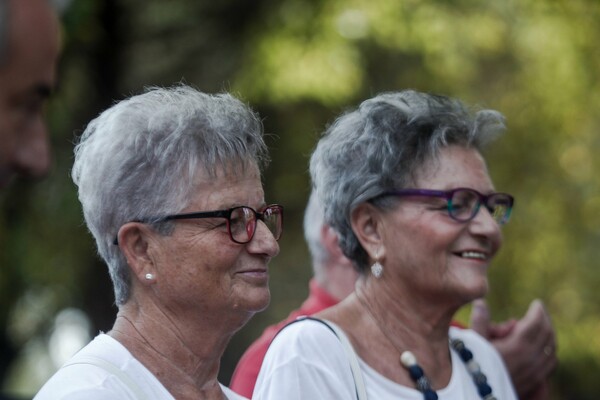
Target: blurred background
x=300, y=63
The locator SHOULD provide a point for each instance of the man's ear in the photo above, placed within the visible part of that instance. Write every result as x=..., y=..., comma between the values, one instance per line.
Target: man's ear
x=329, y=239
x=135, y=239
x=367, y=224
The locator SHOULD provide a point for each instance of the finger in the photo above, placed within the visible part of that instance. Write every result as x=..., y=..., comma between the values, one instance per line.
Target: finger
x=530, y=349
x=537, y=327
x=550, y=360
x=501, y=329
x=480, y=318
x=538, y=335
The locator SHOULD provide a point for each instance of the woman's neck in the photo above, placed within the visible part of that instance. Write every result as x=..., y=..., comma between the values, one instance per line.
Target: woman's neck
x=184, y=357
x=382, y=323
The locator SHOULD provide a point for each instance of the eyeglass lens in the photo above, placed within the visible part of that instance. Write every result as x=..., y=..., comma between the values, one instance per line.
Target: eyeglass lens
x=242, y=223
x=465, y=204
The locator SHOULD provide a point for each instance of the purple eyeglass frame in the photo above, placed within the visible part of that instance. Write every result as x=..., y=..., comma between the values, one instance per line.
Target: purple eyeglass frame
x=448, y=194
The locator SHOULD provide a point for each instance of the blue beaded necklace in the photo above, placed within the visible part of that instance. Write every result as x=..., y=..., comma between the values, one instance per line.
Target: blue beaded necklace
x=409, y=361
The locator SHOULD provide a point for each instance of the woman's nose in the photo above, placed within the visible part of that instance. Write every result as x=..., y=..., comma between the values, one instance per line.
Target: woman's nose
x=264, y=241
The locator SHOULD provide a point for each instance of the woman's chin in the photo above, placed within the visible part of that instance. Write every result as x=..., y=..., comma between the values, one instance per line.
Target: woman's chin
x=477, y=291
x=255, y=300
x=469, y=291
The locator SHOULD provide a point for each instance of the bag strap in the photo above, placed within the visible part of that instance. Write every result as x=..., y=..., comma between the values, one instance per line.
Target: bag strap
x=361, y=393
x=111, y=369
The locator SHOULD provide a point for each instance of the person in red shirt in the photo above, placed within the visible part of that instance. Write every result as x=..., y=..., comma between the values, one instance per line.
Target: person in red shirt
x=334, y=278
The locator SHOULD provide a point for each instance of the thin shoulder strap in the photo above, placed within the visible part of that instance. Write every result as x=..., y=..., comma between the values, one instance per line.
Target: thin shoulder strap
x=361, y=393
x=112, y=369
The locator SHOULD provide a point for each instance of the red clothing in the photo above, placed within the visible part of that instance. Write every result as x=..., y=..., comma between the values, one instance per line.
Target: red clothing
x=246, y=372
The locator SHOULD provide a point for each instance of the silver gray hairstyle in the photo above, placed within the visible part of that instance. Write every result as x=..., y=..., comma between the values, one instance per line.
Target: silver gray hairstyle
x=379, y=147
x=313, y=223
x=140, y=157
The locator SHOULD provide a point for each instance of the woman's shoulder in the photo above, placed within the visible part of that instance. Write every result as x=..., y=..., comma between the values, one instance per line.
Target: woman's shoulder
x=308, y=344
x=306, y=330
x=102, y=369
x=308, y=356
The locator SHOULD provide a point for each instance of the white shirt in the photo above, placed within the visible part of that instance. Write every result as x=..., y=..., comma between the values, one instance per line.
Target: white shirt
x=307, y=361
x=78, y=380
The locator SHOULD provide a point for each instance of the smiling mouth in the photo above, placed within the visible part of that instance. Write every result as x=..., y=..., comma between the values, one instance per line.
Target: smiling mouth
x=474, y=255
x=254, y=272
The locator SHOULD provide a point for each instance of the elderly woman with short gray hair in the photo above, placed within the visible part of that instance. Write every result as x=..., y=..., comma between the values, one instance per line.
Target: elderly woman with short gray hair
x=403, y=182
x=170, y=184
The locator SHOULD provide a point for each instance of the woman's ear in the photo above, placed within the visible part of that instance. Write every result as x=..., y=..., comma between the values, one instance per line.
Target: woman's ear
x=366, y=221
x=134, y=239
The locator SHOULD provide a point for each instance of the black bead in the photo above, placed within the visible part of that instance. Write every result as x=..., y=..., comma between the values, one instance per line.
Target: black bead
x=466, y=354
x=430, y=395
x=484, y=389
x=415, y=372
x=479, y=379
x=458, y=344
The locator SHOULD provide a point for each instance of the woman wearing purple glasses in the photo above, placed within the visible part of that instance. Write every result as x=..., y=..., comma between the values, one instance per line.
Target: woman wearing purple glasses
x=404, y=184
x=171, y=189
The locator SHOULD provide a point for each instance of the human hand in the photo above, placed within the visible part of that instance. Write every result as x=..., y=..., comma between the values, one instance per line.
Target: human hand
x=527, y=346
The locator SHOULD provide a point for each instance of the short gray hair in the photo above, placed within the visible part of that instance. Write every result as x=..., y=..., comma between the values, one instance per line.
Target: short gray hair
x=379, y=147
x=140, y=157
x=313, y=224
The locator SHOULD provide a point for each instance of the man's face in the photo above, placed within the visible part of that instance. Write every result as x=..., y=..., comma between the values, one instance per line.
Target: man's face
x=27, y=76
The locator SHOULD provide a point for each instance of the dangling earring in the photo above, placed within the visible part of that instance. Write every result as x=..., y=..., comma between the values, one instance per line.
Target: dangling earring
x=377, y=268
x=149, y=276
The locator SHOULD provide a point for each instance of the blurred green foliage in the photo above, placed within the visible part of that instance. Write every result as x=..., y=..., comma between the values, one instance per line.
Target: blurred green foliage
x=300, y=63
